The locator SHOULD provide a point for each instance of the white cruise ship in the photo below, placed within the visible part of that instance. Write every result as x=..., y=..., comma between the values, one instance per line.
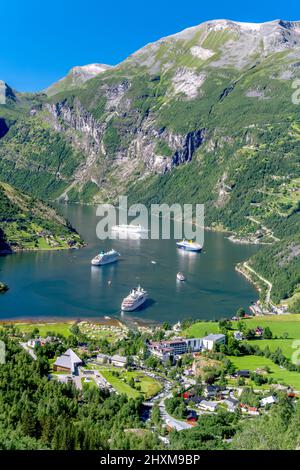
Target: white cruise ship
x=128, y=228
x=189, y=245
x=106, y=258
x=134, y=300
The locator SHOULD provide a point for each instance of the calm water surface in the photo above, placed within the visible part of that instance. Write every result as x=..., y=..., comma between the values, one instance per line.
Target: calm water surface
x=64, y=285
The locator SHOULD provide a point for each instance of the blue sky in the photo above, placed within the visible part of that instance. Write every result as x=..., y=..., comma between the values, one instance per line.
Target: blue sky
x=42, y=40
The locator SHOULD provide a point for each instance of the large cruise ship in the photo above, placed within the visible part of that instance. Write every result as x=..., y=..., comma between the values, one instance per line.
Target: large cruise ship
x=106, y=258
x=129, y=228
x=189, y=245
x=135, y=299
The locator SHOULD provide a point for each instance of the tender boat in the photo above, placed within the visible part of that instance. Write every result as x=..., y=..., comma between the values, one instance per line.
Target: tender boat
x=189, y=245
x=180, y=276
x=134, y=300
x=105, y=258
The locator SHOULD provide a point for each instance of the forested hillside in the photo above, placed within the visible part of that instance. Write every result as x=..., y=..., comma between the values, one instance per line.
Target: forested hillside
x=27, y=223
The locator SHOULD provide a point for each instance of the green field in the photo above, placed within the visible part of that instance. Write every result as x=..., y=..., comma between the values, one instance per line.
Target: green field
x=279, y=375
x=201, y=328
x=284, y=344
x=280, y=325
x=62, y=328
x=149, y=386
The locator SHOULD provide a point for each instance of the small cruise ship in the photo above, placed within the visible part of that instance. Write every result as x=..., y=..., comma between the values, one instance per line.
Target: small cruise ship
x=188, y=245
x=105, y=258
x=128, y=228
x=134, y=300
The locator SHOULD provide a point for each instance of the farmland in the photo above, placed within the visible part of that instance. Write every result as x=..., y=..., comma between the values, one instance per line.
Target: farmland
x=285, y=329
x=149, y=386
x=276, y=372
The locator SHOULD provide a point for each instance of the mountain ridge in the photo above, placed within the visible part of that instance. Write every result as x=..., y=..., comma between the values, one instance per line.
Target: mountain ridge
x=223, y=23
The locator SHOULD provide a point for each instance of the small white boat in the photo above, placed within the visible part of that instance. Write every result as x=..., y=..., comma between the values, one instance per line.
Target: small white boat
x=189, y=245
x=180, y=276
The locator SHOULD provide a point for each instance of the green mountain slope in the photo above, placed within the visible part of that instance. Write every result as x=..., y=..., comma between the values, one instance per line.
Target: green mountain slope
x=28, y=224
x=203, y=116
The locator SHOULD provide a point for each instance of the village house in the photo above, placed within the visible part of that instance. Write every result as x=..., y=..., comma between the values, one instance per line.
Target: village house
x=192, y=399
x=119, y=361
x=67, y=362
x=42, y=341
x=259, y=332
x=238, y=335
x=268, y=401
x=208, y=405
x=231, y=404
x=177, y=327
x=251, y=410
x=245, y=374
x=211, y=391
x=32, y=343
x=103, y=358
x=192, y=417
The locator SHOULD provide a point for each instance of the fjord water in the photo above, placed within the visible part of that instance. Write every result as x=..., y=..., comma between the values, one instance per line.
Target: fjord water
x=63, y=284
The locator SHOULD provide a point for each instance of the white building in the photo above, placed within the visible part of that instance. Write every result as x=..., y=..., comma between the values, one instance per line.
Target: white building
x=268, y=400
x=103, y=358
x=208, y=342
x=231, y=404
x=208, y=405
x=118, y=361
x=177, y=327
x=32, y=343
x=194, y=344
x=238, y=335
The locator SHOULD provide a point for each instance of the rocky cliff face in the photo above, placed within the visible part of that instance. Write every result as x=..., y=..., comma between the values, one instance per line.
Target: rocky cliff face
x=81, y=129
x=7, y=95
x=86, y=134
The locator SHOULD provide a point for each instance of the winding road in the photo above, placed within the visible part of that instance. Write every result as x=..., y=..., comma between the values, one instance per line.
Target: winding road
x=270, y=286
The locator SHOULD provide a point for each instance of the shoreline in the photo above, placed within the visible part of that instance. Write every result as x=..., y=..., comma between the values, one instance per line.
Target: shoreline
x=247, y=276
x=54, y=321
x=35, y=250
x=115, y=322
x=266, y=302
x=101, y=320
